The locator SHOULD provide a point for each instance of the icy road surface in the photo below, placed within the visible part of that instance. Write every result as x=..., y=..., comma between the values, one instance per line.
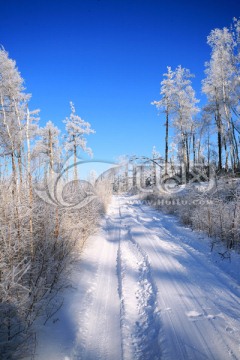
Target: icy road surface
x=145, y=290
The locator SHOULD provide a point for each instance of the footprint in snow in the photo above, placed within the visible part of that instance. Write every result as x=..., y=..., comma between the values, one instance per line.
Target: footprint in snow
x=229, y=329
x=194, y=314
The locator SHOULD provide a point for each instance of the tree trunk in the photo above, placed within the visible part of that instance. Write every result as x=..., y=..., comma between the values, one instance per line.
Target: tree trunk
x=134, y=176
x=208, y=155
x=194, y=150
x=126, y=176
x=50, y=151
x=20, y=142
x=166, y=142
x=75, y=162
x=219, y=134
x=154, y=173
x=30, y=189
x=20, y=167
x=187, y=156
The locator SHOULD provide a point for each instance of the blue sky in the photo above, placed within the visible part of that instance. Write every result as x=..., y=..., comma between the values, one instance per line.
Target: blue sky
x=108, y=57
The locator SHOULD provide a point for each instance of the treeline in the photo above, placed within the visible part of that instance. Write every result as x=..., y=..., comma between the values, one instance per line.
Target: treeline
x=198, y=177
x=40, y=232
x=210, y=135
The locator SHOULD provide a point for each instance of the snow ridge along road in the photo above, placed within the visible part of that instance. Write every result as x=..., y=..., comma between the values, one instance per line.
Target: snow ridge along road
x=144, y=290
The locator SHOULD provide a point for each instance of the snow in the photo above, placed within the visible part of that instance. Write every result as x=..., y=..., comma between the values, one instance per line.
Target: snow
x=146, y=288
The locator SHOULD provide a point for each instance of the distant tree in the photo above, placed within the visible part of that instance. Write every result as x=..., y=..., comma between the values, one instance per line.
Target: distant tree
x=76, y=129
x=166, y=104
x=185, y=111
x=48, y=144
x=179, y=102
x=155, y=163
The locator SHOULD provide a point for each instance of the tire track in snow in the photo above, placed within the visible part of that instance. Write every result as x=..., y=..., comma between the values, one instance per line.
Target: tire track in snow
x=140, y=322
x=218, y=296
x=84, y=346
x=216, y=336
x=98, y=335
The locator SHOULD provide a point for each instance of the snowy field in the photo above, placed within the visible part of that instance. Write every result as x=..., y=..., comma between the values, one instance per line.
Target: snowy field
x=146, y=288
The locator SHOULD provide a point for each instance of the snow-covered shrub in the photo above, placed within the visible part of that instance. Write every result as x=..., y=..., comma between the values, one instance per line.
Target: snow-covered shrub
x=218, y=215
x=104, y=189
x=215, y=212
x=39, y=235
x=32, y=264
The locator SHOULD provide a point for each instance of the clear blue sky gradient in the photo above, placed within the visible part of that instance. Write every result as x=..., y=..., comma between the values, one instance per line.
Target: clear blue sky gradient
x=108, y=57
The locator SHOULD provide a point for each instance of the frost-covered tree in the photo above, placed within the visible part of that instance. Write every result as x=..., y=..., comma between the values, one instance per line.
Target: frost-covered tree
x=221, y=87
x=76, y=129
x=166, y=104
x=185, y=109
x=12, y=112
x=235, y=30
x=179, y=103
x=48, y=145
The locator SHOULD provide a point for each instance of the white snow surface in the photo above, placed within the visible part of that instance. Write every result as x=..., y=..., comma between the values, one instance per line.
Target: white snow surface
x=146, y=288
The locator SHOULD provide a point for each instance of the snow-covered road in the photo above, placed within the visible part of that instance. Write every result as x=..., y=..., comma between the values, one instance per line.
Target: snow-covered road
x=145, y=288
